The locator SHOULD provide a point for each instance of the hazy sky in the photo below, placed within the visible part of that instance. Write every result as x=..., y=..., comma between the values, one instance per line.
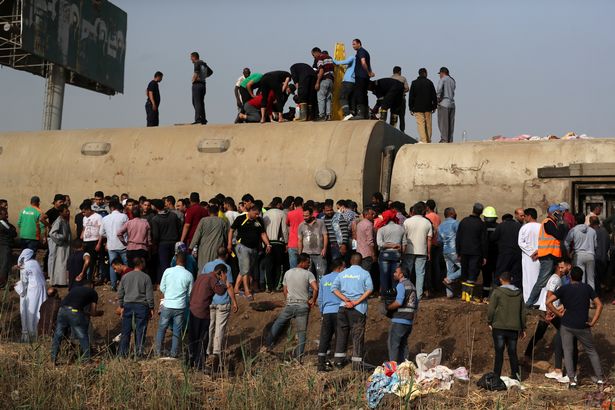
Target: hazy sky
x=522, y=66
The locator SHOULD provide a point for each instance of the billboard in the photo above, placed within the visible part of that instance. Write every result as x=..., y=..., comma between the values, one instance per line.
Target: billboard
x=87, y=37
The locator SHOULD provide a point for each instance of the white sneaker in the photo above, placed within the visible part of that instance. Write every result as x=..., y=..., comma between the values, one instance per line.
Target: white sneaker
x=563, y=379
x=554, y=375
x=600, y=382
x=349, y=116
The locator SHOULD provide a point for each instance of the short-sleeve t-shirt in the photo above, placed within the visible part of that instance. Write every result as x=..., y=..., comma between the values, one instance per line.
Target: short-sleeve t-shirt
x=312, y=236
x=359, y=71
x=297, y=281
x=248, y=230
x=418, y=228
x=200, y=68
x=575, y=297
x=194, y=214
x=153, y=87
x=91, y=227
x=80, y=297
x=254, y=77
x=293, y=220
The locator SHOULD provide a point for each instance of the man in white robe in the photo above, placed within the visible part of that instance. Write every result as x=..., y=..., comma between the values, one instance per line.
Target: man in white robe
x=59, y=248
x=528, y=242
x=32, y=293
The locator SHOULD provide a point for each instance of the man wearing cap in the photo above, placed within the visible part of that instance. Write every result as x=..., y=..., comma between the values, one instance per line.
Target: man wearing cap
x=549, y=249
x=446, y=105
x=567, y=216
x=29, y=225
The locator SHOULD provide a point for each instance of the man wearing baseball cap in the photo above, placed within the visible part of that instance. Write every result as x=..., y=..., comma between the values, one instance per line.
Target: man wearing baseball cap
x=549, y=249
x=446, y=105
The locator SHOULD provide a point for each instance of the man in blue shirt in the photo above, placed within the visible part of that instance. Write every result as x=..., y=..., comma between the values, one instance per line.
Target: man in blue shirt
x=404, y=309
x=329, y=305
x=352, y=286
x=362, y=73
x=447, y=235
x=220, y=308
x=176, y=285
x=346, y=92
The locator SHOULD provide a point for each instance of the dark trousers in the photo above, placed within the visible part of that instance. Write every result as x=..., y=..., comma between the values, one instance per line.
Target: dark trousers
x=30, y=244
x=151, y=115
x=131, y=255
x=470, y=267
x=433, y=273
x=347, y=97
x=274, y=261
x=77, y=323
x=327, y=331
x=198, y=102
x=510, y=262
x=5, y=264
x=360, y=92
x=506, y=339
x=398, y=342
x=198, y=338
x=306, y=92
x=541, y=329
x=135, y=319
x=350, y=322
x=166, y=250
x=245, y=94
x=402, y=115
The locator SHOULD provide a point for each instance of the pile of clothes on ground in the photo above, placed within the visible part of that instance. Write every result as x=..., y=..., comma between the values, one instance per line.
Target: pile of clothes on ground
x=409, y=380
x=527, y=137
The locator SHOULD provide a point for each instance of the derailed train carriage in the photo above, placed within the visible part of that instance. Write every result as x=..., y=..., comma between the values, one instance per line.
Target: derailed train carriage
x=316, y=160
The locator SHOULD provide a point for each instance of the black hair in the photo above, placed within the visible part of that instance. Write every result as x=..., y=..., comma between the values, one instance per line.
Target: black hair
x=276, y=201
x=158, y=74
x=431, y=204
x=342, y=202
x=397, y=70
x=316, y=50
x=378, y=196
x=579, y=218
x=213, y=209
x=298, y=201
x=195, y=197
x=356, y=258
x=86, y=204
x=531, y=212
x=288, y=201
x=222, y=252
x=180, y=257
x=195, y=54
x=303, y=257
x=478, y=209
x=308, y=209
x=419, y=208
x=221, y=267
x=449, y=212
x=247, y=197
x=171, y=199
x=565, y=259
x=505, y=276
x=99, y=194
x=356, y=40
x=507, y=217
x=336, y=264
x=62, y=208
x=576, y=274
x=117, y=261
x=423, y=72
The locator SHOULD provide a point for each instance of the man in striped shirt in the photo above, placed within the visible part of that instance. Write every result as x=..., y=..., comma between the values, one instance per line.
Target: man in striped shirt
x=324, y=82
x=337, y=231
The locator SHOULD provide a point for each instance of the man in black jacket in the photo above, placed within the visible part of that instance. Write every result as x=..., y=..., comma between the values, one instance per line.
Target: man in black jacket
x=390, y=94
x=166, y=231
x=506, y=235
x=471, y=244
x=304, y=77
x=422, y=102
x=7, y=234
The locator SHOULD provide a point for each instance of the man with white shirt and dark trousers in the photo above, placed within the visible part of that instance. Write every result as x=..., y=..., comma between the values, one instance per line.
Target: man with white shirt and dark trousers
x=111, y=225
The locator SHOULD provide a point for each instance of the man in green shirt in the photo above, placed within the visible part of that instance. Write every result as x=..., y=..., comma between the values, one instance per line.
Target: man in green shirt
x=30, y=225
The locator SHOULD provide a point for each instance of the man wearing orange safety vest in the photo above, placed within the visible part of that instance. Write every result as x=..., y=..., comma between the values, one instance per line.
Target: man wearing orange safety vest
x=549, y=249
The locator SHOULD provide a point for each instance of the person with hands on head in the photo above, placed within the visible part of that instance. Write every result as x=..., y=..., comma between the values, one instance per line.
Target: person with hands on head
x=575, y=324
x=297, y=283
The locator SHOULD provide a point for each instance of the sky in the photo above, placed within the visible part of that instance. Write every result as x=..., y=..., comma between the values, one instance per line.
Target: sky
x=521, y=67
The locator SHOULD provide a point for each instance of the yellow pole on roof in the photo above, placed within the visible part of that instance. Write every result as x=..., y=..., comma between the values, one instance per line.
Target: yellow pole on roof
x=338, y=76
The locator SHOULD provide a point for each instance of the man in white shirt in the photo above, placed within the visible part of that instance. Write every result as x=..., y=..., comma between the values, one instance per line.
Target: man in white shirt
x=90, y=236
x=417, y=245
x=528, y=242
x=238, y=99
x=111, y=224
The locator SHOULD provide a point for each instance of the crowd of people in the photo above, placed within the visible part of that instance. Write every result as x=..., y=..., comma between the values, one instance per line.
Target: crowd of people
x=202, y=256
x=261, y=97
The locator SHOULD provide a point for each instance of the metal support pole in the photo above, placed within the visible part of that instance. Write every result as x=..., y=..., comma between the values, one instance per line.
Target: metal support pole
x=54, y=98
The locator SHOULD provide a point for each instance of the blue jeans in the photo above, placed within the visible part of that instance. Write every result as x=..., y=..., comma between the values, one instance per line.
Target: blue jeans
x=293, y=253
x=78, y=323
x=300, y=314
x=416, y=262
x=388, y=261
x=175, y=319
x=506, y=339
x=398, y=342
x=137, y=315
x=547, y=267
x=112, y=256
x=453, y=270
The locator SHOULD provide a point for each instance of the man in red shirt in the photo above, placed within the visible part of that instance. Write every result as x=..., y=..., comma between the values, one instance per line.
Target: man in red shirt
x=203, y=290
x=194, y=214
x=432, y=276
x=252, y=108
x=293, y=220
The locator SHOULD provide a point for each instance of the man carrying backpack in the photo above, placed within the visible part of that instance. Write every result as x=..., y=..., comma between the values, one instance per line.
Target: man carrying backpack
x=199, y=76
